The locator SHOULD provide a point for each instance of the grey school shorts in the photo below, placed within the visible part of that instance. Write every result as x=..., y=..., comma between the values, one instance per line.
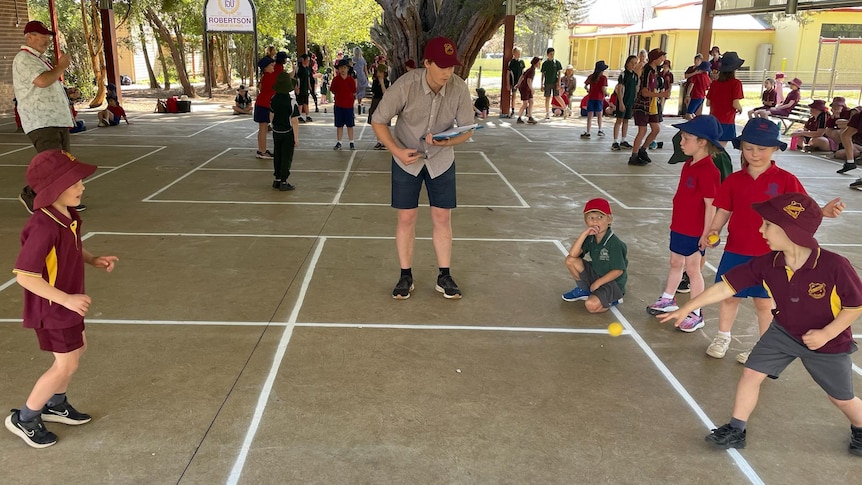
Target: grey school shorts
x=777, y=349
x=607, y=294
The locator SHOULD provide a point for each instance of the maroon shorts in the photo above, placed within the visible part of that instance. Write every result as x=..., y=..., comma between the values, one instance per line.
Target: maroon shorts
x=642, y=118
x=61, y=340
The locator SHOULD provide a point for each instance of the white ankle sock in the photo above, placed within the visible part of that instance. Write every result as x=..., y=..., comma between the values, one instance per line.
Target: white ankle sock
x=666, y=295
x=723, y=334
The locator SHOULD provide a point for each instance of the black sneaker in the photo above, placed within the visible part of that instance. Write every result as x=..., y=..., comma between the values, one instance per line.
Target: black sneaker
x=585, y=135
x=625, y=144
x=600, y=133
x=642, y=154
x=284, y=186
x=352, y=146
x=847, y=167
x=308, y=119
x=857, y=184
x=64, y=413
x=520, y=120
x=855, y=441
x=684, y=284
x=636, y=160
x=32, y=432
x=659, y=145
x=615, y=147
x=276, y=183
x=403, y=288
x=447, y=286
x=337, y=146
x=301, y=119
x=26, y=197
x=727, y=437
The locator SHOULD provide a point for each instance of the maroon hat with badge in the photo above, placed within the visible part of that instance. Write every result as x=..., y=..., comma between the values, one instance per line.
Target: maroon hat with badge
x=796, y=213
x=37, y=27
x=441, y=51
x=51, y=172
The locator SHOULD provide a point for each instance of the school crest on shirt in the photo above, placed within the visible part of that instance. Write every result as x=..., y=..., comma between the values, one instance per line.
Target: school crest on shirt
x=772, y=189
x=604, y=255
x=816, y=290
x=689, y=182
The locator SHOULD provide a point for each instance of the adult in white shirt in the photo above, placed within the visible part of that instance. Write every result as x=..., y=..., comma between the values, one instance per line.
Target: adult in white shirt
x=42, y=102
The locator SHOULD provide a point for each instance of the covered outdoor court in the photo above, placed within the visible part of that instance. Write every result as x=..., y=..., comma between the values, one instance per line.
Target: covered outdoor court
x=248, y=336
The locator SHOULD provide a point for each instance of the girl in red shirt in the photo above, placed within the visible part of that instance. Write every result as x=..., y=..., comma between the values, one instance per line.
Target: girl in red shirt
x=724, y=95
x=596, y=86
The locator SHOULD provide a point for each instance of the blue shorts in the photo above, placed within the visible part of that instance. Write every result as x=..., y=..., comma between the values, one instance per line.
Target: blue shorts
x=731, y=260
x=114, y=121
x=406, y=188
x=728, y=132
x=595, y=105
x=261, y=114
x=344, y=116
x=684, y=245
x=694, y=104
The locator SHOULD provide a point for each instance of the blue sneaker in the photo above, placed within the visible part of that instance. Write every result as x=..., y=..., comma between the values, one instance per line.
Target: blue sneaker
x=576, y=294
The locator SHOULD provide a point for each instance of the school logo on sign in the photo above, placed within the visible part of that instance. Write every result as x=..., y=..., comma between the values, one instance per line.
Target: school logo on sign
x=229, y=7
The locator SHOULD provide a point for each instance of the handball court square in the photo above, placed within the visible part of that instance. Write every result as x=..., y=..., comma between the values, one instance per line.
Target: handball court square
x=248, y=336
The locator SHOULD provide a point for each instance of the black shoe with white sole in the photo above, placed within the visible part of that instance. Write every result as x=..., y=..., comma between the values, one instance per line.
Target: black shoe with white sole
x=403, y=288
x=64, y=413
x=32, y=432
x=447, y=286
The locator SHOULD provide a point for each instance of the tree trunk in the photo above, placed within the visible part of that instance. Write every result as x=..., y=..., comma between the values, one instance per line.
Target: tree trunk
x=407, y=26
x=161, y=55
x=224, y=61
x=179, y=62
x=154, y=84
x=90, y=17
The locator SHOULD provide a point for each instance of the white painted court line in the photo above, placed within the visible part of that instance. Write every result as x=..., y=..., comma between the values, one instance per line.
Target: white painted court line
x=114, y=169
x=856, y=368
x=601, y=190
x=16, y=150
x=262, y=400
x=166, y=187
x=344, y=179
x=509, y=126
x=524, y=203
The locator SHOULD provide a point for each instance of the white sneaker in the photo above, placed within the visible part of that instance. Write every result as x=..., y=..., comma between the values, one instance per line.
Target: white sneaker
x=742, y=358
x=718, y=347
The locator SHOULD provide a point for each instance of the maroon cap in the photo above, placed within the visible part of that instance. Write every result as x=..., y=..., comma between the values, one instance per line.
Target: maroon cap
x=51, y=172
x=410, y=63
x=598, y=204
x=37, y=27
x=796, y=213
x=441, y=51
x=655, y=54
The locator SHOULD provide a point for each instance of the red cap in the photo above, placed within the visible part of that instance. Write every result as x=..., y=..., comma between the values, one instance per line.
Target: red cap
x=598, y=204
x=37, y=27
x=51, y=172
x=441, y=51
x=797, y=214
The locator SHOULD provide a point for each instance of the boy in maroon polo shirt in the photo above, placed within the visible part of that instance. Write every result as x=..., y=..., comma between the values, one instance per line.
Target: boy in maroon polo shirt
x=817, y=295
x=50, y=268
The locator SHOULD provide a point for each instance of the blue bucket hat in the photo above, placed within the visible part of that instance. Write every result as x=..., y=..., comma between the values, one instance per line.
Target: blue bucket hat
x=705, y=66
x=706, y=127
x=264, y=62
x=760, y=132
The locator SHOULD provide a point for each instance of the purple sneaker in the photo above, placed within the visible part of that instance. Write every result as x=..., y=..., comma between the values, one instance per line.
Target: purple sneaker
x=691, y=323
x=662, y=305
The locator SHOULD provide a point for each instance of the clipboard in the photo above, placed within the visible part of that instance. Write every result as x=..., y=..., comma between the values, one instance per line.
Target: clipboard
x=453, y=132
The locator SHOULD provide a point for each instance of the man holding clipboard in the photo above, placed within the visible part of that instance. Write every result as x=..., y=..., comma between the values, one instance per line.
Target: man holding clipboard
x=427, y=101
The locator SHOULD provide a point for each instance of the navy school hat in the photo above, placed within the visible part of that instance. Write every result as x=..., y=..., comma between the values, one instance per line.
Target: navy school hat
x=706, y=127
x=760, y=132
x=264, y=61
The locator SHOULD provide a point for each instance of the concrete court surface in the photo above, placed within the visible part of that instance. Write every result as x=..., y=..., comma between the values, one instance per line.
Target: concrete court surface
x=248, y=335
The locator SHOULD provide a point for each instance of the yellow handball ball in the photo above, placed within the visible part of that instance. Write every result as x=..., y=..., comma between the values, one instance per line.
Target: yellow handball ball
x=615, y=329
x=713, y=239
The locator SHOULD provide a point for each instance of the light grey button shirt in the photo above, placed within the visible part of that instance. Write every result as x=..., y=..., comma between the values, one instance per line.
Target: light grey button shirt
x=421, y=111
x=38, y=107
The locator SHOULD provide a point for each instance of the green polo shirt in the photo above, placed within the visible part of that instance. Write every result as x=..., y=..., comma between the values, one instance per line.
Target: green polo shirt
x=608, y=254
x=551, y=70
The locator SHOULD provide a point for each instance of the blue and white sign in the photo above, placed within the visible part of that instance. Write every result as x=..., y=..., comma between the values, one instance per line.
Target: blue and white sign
x=229, y=16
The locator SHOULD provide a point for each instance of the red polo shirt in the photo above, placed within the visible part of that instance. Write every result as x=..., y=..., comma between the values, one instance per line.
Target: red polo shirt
x=736, y=194
x=344, y=90
x=595, y=88
x=265, y=91
x=700, y=83
x=809, y=298
x=697, y=181
x=721, y=95
x=51, y=249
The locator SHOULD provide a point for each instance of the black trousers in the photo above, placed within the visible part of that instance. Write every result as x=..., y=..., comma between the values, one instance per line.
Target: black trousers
x=282, y=157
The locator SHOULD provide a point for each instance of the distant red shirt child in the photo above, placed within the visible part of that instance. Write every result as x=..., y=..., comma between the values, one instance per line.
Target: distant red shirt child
x=112, y=114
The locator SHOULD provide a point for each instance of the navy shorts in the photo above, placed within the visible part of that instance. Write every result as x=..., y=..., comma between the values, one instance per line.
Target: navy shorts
x=731, y=260
x=61, y=340
x=776, y=349
x=684, y=245
x=406, y=188
x=595, y=105
x=694, y=104
x=728, y=132
x=261, y=114
x=642, y=118
x=344, y=117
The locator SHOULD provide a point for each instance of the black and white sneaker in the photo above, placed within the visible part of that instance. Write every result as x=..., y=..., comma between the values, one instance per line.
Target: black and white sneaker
x=846, y=168
x=615, y=147
x=636, y=160
x=64, y=413
x=264, y=155
x=642, y=154
x=32, y=432
x=403, y=288
x=727, y=437
x=27, y=196
x=447, y=286
x=684, y=284
x=857, y=184
x=625, y=144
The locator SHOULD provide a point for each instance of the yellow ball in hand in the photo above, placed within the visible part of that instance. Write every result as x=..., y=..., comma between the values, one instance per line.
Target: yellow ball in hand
x=615, y=329
x=713, y=239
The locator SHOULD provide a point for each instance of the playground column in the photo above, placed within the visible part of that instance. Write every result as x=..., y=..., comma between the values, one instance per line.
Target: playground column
x=301, y=33
x=109, y=40
x=506, y=100
x=704, y=35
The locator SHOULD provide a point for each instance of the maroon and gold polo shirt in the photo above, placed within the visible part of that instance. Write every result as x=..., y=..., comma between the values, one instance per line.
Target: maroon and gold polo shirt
x=51, y=249
x=809, y=298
